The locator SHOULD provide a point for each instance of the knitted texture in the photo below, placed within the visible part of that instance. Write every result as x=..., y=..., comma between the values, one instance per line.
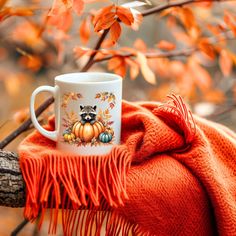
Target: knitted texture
x=174, y=174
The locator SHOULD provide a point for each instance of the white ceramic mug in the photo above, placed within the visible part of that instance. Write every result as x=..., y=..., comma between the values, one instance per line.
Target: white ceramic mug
x=87, y=112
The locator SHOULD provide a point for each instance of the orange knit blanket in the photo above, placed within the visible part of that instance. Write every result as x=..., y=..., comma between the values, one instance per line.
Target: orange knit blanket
x=172, y=175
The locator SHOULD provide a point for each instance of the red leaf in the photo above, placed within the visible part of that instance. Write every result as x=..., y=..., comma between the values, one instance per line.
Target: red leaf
x=115, y=32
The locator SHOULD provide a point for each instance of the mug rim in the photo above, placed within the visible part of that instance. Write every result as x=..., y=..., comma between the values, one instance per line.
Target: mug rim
x=76, y=78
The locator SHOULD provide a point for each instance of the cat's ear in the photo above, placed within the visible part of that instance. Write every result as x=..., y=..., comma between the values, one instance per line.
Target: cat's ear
x=95, y=107
x=81, y=107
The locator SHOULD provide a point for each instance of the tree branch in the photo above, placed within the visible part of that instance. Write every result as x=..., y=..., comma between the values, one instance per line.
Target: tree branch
x=12, y=186
x=96, y=48
x=182, y=52
x=177, y=4
x=175, y=53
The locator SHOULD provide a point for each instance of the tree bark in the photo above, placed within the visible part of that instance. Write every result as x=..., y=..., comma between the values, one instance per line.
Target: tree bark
x=12, y=186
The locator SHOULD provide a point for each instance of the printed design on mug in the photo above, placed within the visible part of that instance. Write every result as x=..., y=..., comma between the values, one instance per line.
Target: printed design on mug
x=91, y=126
x=67, y=97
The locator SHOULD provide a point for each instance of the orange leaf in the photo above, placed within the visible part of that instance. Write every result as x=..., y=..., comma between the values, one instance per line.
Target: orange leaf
x=2, y=3
x=105, y=22
x=32, y=62
x=230, y=20
x=187, y=17
x=80, y=51
x=140, y=45
x=177, y=68
x=160, y=66
x=201, y=77
x=134, y=68
x=121, y=70
x=204, y=4
x=107, y=43
x=165, y=45
x=225, y=62
x=125, y=15
x=215, y=96
x=118, y=65
x=84, y=31
x=101, y=13
x=78, y=6
x=115, y=32
x=92, y=1
x=114, y=62
x=59, y=7
x=148, y=74
x=16, y=11
x=13, y=84
x=21, y=115
x=207, y=48
x=62, y=21
x=28, y=33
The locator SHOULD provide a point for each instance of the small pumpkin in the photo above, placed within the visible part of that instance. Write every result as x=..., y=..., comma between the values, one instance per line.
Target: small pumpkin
x=86, y=132
x=110, y=131
x=69, y=137
x=105, y=137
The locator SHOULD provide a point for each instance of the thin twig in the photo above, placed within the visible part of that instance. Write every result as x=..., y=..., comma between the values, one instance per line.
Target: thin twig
x=19, y=227
x=176, y=53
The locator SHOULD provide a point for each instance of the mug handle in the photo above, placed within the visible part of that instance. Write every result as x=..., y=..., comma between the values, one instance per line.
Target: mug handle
x=48, y=134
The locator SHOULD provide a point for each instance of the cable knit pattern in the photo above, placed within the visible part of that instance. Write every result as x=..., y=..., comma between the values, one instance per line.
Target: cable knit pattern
x=174, y=174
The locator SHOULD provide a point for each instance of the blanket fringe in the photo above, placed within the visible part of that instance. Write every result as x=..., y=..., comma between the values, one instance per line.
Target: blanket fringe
x=98, y=222
x=176, y=114
x=70, y=182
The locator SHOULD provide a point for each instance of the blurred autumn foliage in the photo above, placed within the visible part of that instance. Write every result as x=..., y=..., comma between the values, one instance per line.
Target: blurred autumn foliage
x=195, y=59
x=158, y=47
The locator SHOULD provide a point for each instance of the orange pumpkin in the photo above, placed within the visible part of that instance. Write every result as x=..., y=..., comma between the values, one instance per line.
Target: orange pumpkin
x=86, y=132
x=69, y=137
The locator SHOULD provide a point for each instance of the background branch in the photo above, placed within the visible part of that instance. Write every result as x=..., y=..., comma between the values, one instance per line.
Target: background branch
x=175, y=53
